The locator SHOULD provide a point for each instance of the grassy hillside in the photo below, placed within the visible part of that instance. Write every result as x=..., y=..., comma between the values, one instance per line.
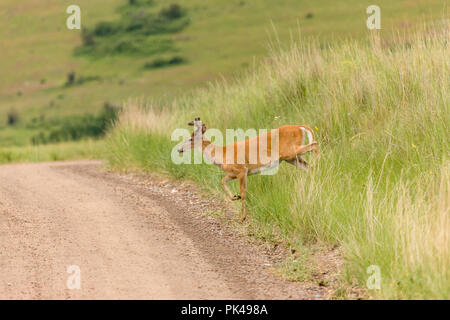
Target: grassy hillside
x=222, y=38
x=381, y=185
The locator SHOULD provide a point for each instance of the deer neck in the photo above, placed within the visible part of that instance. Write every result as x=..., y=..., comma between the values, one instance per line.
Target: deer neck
x=209, y=152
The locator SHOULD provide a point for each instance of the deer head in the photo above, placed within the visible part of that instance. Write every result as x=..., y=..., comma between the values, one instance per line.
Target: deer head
x=196, y=138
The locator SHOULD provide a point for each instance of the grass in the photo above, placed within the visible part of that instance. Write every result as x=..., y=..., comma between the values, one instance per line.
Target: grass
x=296, y=268
x=380, y=187
x=223, y=38
x=74, y=128
x=86, y=149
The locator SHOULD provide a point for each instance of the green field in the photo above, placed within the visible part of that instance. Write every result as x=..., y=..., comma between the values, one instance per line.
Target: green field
x=223, y=38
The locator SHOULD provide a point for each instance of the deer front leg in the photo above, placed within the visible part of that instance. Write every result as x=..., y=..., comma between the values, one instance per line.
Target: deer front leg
x=224, y=184
x=243, y=190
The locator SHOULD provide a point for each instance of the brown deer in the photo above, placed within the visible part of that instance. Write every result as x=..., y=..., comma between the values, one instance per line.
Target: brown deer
x=243, y=158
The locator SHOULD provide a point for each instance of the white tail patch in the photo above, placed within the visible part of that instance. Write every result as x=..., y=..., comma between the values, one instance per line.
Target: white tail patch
x=307, y=133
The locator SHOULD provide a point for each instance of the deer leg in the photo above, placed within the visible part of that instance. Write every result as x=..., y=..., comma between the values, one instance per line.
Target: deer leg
x=299, y=163
x=316, y=148
x=243, y=190
x=224, y=184
x=308, y=148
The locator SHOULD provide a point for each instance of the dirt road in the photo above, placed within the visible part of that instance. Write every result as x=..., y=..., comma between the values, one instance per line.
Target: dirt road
x=129, y=239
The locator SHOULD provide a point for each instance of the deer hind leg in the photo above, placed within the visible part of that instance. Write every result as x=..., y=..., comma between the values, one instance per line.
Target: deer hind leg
x=224, y=184
x=243, y=189
x=313, y=146
x=299, y=163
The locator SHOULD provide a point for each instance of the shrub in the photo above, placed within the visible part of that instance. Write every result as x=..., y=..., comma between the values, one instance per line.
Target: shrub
x=130, y=34
x=128, y=45
x=140, y=2
x=161, y=63
x=12, y=117
x=70, y=78
x=78, y=127
x=87, y=37
x=173, y=12
x=103, y=29
x=176, y=60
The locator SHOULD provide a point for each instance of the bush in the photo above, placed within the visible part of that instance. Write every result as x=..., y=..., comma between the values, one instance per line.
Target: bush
x=70, y=78
x=140, y=2
x=12, y=117
x=173, y=12
x=73, y=80
x=161, y=63
x=103, y=29
x=79, y=126
x=130, y=34
x=87, y=37
x=128, y=45
x=177, y=60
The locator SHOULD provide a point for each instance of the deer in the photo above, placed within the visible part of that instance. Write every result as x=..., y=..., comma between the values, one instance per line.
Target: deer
x=240, y=159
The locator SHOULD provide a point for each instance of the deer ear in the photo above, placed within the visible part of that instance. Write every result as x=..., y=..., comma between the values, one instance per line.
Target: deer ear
x=190, y=123
x=203, y=128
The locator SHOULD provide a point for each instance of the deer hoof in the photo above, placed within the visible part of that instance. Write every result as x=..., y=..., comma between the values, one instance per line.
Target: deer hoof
x=242, y=219
x=236, y=197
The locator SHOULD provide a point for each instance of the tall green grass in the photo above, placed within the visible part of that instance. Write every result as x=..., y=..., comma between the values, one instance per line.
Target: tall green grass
x=85, y=149
x=380, y=187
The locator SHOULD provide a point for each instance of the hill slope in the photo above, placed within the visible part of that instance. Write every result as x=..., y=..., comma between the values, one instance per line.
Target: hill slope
x=223, y=37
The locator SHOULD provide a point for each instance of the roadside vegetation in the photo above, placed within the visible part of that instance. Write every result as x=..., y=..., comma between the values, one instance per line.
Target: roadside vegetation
x=74, y=128
x=85, y=149
x=380, y=187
